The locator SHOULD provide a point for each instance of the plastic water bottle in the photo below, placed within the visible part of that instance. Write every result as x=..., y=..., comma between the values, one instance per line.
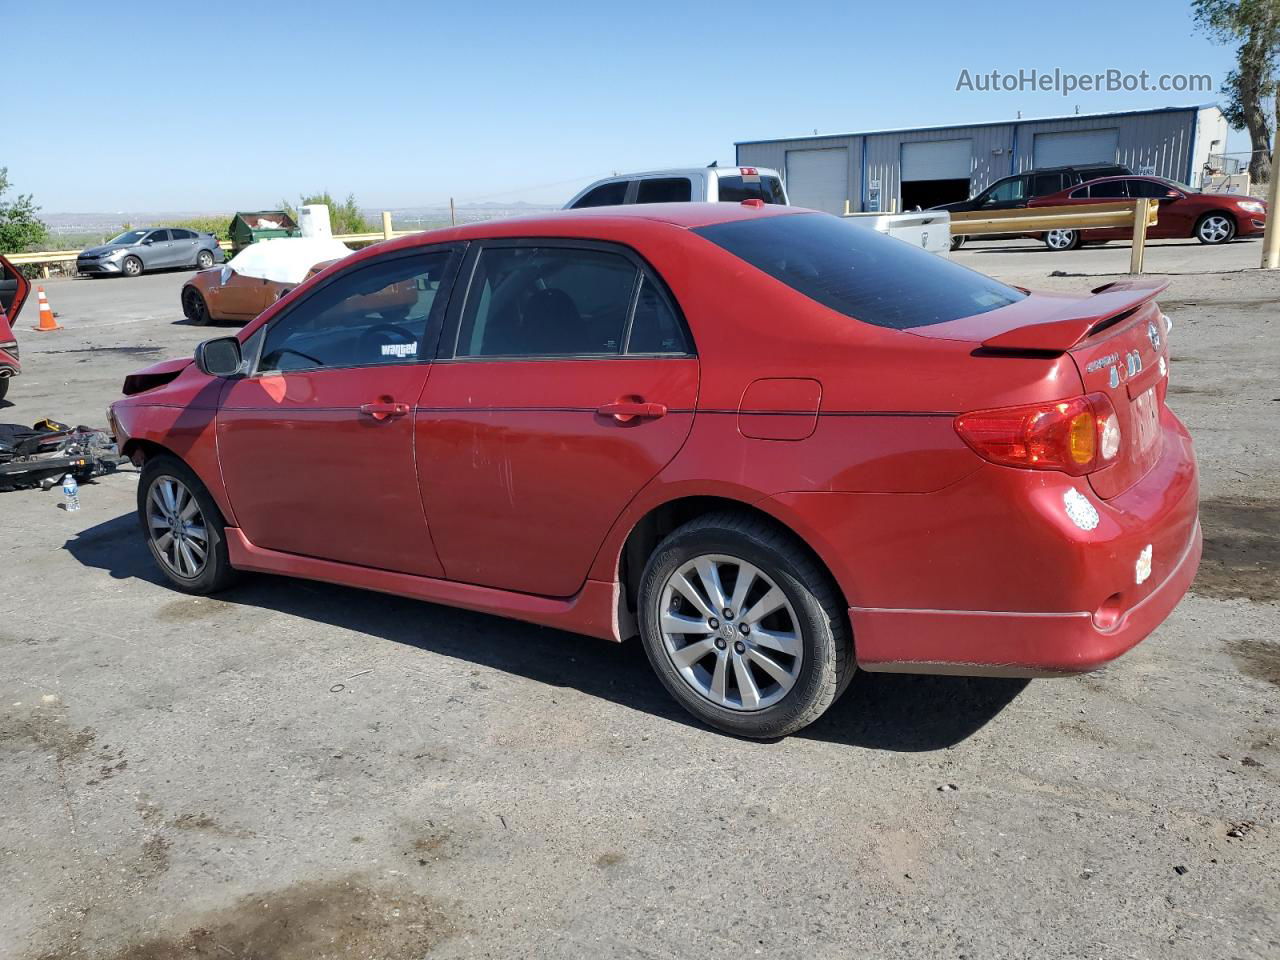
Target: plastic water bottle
x=71, y=492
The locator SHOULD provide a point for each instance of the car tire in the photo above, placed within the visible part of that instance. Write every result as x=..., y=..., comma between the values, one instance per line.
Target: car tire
x=197, y=561
x=194, y=307
x=805, y=615
x=1215, y=228
x=4, y=386
x=131, y=267
x=1061, y=240
x=958, y=242
x=204, y=260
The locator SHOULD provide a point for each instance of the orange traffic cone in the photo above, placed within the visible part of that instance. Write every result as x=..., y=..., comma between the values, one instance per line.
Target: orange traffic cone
x=47, y=322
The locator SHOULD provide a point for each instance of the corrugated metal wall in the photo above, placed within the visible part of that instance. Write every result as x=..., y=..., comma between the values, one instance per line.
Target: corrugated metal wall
x=773, y=154
x=1161, y=142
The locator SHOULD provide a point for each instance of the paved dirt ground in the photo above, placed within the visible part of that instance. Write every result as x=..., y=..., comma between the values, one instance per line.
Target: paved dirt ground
x=292, y=770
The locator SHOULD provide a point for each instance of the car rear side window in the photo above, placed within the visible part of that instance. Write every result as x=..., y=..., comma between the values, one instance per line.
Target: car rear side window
x=858, y=272
x=1114, y=189
x=379, y=313
x=183, y=235
x=735, y=189
x=529, y=301
x=605, y=195
x=655, y=327
x=1044, y=184
x=664, y=190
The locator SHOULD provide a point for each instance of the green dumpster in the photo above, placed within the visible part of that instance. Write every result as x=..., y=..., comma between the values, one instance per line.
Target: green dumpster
x=251, y=226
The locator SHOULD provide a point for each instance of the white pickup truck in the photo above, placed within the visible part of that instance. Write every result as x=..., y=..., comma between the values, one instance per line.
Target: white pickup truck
x=929, y=229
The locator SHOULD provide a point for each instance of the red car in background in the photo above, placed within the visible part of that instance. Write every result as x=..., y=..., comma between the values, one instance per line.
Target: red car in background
x=1211, y=218
x=13, y=293
x=770, y=443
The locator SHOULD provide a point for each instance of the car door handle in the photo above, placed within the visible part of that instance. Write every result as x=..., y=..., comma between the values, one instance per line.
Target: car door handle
x=384, y=411
x=626, y=410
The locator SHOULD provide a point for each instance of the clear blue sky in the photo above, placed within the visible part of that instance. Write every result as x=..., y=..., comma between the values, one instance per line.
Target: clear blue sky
x=150, y=106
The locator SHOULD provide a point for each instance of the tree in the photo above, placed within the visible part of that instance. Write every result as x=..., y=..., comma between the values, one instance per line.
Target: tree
x=1254, y=25
x=20, y=228
x=344, y=217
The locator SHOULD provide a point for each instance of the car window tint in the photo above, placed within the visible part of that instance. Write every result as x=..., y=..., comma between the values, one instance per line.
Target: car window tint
x=655, y=328
x=1079, y=193
x=1043, y=184
x=546, y=301
x=1007, y=192
x=183, y=235
x=860, y=272
x=374, y=314
x=605, y=195
x=1147, y=188
x=1110, y=189
x=665, y=190
x=159, y=236
x=735, y=189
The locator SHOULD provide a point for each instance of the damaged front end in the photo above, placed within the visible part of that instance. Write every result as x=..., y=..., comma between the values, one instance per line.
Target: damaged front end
x=42, y=454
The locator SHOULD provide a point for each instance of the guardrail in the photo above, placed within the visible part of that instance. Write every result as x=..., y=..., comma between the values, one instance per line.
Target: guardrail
x=1135, y=214
x=48, y=257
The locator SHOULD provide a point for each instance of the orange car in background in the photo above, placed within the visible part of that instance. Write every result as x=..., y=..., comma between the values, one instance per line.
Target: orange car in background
x=260, y=275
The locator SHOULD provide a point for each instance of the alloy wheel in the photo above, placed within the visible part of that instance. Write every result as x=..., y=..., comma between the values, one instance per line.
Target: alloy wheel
x=730, y=632
x=1215, y=229
x=204, y=260
x=177, y=527
x=1060, y=239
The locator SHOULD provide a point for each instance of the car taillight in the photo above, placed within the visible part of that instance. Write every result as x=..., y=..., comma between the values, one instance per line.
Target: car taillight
x=1075, y=436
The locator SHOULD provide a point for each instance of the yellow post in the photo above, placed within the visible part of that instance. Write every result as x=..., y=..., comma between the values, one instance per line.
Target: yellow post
x=846, y=208
x=1141, y=214
x=1271, y=238
x=44, y=271
x=386, y=224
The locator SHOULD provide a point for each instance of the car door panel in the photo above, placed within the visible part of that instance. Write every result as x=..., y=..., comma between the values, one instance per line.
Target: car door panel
x=522, y=476
x=308, y=472
x=317, y=452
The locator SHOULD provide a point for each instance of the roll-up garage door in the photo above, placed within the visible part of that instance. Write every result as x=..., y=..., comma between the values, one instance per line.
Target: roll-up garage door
x=1075, y=146
x=935, y=171
x=818, y=179
x=937, y=160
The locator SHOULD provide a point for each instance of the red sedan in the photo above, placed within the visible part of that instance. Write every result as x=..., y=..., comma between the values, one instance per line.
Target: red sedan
x=13, y=293
x=1211, y=218
x=769, y=443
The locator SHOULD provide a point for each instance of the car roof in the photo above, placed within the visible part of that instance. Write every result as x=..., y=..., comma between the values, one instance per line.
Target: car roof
x=687, y=216
x=732, y=171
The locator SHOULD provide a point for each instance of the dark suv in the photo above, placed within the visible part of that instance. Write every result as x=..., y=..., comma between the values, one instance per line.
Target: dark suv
x=1015, y=191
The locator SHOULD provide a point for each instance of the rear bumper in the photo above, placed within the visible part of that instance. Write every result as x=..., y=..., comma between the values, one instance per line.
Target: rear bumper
x=976, y=642
x=9, y=365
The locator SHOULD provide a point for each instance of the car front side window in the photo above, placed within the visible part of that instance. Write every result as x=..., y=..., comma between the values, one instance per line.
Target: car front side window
x=375, y=314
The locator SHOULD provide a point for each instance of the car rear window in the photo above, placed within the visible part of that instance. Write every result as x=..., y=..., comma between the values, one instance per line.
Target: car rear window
x=735, y=189
x=861, y=273
x=664, y=190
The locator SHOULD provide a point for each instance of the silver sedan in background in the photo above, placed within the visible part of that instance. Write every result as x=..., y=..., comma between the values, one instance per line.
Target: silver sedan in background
x=135, y=251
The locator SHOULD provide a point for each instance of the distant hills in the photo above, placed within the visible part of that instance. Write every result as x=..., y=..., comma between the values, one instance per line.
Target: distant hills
x=402, y=217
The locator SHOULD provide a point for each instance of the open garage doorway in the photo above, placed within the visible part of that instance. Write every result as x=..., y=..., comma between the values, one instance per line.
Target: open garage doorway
x=935, y=171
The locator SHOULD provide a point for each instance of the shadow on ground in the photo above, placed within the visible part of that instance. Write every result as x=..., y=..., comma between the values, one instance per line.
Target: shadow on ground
x=879, y=711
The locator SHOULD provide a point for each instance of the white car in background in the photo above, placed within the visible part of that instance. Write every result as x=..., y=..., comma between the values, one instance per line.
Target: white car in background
x=685, y=185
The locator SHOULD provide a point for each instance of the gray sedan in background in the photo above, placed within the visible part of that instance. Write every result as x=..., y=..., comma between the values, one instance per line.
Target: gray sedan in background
x=152, y=249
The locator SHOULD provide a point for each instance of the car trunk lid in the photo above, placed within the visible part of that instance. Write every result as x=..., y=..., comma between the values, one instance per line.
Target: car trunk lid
x=1116, y=338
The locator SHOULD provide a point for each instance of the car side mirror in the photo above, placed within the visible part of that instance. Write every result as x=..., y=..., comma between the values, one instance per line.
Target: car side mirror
x=147, y=242
x=219, y=357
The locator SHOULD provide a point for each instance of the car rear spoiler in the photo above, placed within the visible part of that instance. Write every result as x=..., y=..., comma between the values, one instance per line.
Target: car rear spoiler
x=1109, y=304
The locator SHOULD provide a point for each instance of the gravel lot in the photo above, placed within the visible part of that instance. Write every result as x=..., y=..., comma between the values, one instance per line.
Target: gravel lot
x=292, y=770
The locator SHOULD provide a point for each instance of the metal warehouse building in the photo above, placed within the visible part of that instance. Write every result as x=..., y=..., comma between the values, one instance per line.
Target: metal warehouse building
x=900, y=169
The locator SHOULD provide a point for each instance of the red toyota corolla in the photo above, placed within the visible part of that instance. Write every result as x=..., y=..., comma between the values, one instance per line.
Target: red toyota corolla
x=770, y=443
